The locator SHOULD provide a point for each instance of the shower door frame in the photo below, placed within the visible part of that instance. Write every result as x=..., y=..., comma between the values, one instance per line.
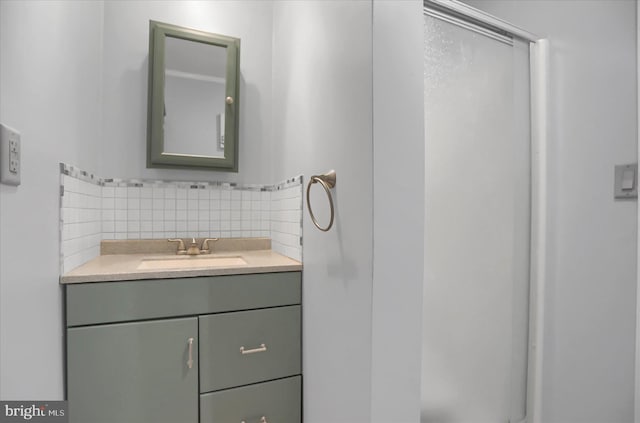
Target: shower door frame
x=539, y=83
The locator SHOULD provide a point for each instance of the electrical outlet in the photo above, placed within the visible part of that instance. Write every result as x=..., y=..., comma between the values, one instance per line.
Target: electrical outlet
x=10, y=156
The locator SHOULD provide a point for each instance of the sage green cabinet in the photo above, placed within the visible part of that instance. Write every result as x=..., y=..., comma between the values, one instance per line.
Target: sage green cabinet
x=248, y=347
x=278, y=401
x=185, y=350
x=133, y=372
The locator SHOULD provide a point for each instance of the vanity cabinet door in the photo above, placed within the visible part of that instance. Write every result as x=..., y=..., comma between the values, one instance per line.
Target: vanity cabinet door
x=133, y=372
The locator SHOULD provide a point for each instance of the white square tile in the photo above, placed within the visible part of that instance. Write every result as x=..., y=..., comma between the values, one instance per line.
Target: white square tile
x=170, y=192
x=133, y=215
x=146, y=192
x=133, y=192
x=108, y=215
x=121, y=203
x=108, y=192
x=146, y=203
x=120, y=192
x=133, y=203
x=146, y=214
x=108, y=226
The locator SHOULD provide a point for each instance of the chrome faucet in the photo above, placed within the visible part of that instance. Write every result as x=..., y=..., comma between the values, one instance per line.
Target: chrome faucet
x=193, y=249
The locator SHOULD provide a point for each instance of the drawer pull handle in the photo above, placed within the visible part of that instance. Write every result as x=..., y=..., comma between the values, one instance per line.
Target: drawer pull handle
x=261, y=348
x=190, y=361
x=263, y=419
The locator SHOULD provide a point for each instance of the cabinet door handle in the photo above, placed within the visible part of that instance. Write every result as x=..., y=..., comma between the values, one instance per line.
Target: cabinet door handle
x=190, y=361
x=261, y=348
x=263, y=419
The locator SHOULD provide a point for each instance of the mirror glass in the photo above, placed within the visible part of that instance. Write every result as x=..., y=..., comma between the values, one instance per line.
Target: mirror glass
x=193, y=90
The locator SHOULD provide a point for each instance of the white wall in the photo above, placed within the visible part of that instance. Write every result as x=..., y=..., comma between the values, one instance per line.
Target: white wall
x=126, y=46
x=588, y=373
x=50, y=70
x=398, y=217
x=322, y=119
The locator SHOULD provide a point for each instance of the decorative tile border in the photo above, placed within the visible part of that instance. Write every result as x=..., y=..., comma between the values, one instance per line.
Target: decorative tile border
x=93, y=208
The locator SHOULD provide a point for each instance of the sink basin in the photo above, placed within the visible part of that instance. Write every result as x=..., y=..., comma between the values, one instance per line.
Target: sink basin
x=189, y=262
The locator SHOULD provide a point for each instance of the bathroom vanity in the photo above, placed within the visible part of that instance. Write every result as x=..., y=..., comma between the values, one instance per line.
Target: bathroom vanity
x=222, y=345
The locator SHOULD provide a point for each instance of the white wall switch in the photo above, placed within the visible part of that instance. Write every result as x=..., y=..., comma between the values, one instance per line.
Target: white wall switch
x=626, y=181
x=10, y=156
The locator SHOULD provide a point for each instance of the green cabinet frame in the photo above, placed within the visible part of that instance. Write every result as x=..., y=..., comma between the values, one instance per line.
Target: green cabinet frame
x=156, y=154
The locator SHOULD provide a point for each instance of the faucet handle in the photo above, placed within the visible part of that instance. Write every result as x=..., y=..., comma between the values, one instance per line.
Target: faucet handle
x=180, y=242
x=205, y=245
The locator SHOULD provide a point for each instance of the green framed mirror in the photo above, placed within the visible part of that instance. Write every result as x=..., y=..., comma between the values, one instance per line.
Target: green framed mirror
x=193, y=109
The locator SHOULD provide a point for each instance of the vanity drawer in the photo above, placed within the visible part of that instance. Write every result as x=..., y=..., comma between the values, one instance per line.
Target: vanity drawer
x=107, y=302
x=249, y=346
x=278, y=401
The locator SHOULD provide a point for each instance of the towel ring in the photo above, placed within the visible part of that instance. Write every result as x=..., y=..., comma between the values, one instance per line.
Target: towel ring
x=328, y=181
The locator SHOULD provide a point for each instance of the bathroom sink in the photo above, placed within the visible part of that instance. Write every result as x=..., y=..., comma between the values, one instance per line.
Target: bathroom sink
x=188, y=262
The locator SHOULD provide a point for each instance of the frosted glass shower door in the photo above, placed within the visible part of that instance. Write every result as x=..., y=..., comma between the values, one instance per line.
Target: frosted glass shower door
x=478, y=177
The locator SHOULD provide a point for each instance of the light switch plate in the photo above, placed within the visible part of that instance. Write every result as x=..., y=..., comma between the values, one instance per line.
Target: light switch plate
x=626, y=181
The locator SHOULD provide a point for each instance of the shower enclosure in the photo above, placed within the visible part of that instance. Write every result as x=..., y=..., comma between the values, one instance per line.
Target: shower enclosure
x=478, y=221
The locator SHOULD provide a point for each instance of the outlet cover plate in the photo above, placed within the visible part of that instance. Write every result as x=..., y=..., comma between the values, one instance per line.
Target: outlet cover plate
x=10, y=156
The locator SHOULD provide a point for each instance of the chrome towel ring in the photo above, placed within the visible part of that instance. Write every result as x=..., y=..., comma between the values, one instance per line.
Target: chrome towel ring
x=328, y=181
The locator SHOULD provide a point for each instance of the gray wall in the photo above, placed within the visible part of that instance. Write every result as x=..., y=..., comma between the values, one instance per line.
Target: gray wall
x=126, y=45
x=50, y=69
x=398, y=217
x=322, y=119
x=590, y=305
x=73, y=78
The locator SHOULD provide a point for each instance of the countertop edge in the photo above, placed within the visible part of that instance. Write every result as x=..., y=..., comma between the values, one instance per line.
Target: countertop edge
x=179, y=273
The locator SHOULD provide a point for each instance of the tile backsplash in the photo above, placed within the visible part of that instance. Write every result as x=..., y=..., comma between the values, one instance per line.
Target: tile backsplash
x=93, y=209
